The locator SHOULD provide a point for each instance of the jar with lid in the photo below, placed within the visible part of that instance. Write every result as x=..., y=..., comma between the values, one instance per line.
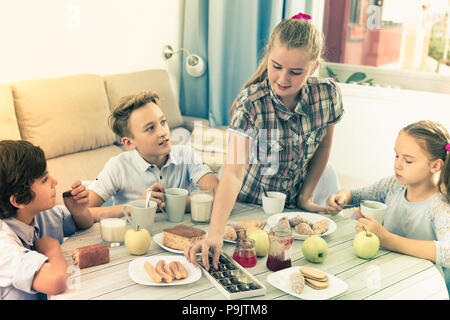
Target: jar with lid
x=280, y=243
x=245, y=253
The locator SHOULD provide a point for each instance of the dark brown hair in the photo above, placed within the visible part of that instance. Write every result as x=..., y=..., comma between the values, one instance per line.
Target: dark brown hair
x=118, y=120
x=21, y=164
x=433, y=138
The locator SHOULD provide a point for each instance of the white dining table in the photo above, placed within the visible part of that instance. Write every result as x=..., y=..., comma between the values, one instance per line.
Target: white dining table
x=387, y=276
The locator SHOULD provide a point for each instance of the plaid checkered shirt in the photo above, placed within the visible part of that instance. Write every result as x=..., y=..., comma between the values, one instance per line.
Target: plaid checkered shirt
x=283, y=141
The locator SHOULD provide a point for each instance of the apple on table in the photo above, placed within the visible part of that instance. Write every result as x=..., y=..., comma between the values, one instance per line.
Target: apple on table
x=366, y=244
x=137, y=241
x=315, y=249
x=261, y=239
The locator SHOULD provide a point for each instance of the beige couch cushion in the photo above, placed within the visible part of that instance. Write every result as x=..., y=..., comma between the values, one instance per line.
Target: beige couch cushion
x=8, y=121
x=120, y=85
x=51, y=110
x=79, y=166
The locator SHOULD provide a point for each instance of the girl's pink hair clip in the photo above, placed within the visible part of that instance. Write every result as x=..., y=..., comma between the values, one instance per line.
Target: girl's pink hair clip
x=447, y=147
x=301, y=16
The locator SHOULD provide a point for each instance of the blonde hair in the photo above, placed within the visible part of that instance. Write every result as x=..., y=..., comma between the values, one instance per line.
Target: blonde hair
x=118, y=120
x=433, y=138
x=292, y=33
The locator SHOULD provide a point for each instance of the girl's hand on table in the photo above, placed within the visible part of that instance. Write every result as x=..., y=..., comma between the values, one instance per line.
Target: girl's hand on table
x=211, y=243
x=335, y=203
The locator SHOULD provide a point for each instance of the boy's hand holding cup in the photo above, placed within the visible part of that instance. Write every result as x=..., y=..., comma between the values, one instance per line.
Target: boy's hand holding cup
x=157, y=195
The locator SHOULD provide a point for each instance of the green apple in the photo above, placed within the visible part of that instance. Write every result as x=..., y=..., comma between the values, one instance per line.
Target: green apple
x=261, y=239
x=137, y=241
x=366, y=244
x=315, y=249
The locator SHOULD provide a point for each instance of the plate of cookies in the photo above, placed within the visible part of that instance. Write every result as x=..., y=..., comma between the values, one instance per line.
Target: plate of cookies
x=307, y=283
x=303, y=224
x=163, y=271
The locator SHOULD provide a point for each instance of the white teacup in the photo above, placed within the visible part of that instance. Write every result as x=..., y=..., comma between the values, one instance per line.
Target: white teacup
x=140, y=216
x=274, y=203
x=374, y=209
x=175, y=199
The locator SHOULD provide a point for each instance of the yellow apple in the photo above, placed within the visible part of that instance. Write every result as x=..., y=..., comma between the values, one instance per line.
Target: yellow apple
x=137, y=241
x=261, y=239
x=366, y=244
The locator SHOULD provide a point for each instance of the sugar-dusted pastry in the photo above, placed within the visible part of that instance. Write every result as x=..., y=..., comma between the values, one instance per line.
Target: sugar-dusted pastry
x=320, y=227
x=304, y=228
x=230, y=233
x=247, y=224
x=297, y=220
x=297, y=282
x=284, y=222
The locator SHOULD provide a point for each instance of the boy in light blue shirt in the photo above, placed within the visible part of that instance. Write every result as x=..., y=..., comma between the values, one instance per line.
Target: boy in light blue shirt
x=151, y=162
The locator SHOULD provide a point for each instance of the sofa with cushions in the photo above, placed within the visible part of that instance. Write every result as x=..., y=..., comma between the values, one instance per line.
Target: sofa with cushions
x=68, y=118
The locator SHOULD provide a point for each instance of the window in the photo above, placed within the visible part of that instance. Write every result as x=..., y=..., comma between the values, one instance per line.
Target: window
x=389, y=35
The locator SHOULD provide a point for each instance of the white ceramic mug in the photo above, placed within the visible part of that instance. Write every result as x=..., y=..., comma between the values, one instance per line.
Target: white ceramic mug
x=274, y=203
x=175, y=200
x=140, y=216
x=374, y=209
x=201, y=205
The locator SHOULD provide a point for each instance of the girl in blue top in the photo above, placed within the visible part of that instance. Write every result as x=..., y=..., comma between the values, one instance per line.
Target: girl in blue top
x=417, y=220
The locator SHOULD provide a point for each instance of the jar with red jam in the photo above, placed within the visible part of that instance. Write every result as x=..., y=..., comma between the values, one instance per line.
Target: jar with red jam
x=245, y=253
x=280, y=243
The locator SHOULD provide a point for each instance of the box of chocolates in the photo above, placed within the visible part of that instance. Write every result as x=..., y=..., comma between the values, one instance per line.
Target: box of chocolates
x=232, y=280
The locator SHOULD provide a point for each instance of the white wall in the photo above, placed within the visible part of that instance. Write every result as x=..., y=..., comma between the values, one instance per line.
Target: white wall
x=51, y=38
x=363, y=143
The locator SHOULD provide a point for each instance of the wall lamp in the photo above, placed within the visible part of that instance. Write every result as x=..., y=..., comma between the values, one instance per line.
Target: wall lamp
x=195, y=65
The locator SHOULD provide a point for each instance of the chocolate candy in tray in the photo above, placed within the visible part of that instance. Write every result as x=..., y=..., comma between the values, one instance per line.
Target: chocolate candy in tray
x=232, y=280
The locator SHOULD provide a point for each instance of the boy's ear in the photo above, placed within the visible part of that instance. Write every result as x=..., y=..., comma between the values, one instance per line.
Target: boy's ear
x=12, y=200
x=436, y=165
x=128, y=143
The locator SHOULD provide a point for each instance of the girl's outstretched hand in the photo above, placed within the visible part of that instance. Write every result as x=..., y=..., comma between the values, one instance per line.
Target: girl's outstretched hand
x=309, y=205
x=211, y=243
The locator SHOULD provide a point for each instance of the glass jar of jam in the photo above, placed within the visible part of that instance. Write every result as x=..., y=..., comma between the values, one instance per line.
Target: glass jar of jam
x=245, y=253
x=280, y=243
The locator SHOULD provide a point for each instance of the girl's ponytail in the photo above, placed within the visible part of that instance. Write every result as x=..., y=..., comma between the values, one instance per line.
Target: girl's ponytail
x=444, y=179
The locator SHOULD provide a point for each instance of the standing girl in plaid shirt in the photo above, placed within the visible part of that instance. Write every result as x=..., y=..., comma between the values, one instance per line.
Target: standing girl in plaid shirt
x=281, y=130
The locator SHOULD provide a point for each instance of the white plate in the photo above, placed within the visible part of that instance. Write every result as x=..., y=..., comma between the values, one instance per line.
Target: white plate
x=311, y=217
x=158, y=238
x=138, y=274
x=280, y=280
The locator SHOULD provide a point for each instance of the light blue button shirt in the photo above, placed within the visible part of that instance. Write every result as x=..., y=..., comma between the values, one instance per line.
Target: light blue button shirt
x=126, y=176
x=19, y=262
